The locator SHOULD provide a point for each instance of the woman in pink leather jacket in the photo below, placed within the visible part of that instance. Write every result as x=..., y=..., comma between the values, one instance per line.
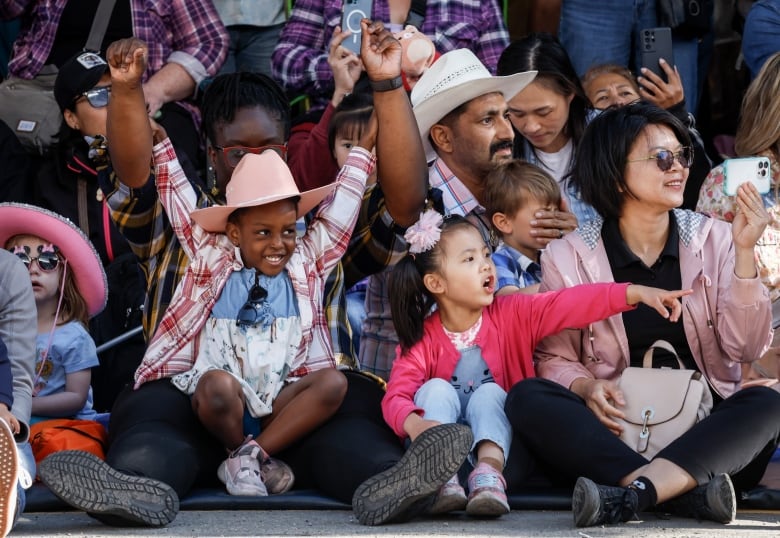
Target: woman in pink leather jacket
x=632, y=166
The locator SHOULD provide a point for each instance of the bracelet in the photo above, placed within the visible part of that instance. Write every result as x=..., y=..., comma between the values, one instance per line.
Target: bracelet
x=387, y=84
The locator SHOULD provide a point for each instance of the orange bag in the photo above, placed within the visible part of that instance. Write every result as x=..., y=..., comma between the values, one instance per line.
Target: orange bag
x=67, y=434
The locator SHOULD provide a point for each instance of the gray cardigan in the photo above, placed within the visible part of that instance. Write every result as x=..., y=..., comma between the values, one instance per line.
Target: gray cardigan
x=18, y=329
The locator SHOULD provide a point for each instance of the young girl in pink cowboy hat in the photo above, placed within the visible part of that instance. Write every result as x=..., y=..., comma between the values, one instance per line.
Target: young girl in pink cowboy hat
x=245, y=334
x=70, y=287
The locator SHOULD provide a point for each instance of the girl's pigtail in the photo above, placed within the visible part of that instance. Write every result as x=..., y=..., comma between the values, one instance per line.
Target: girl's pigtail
x=410, y=302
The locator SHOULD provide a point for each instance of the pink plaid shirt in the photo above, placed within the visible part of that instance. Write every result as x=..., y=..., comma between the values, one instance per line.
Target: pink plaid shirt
x=174, y=346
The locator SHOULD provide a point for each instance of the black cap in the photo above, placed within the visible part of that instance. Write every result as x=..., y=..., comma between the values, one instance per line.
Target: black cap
x=76, y=76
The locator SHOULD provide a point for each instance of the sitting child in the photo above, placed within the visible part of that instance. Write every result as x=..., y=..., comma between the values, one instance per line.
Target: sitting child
x=70, y=287
x=514, y=192
x=245, y=333
x=456, y=364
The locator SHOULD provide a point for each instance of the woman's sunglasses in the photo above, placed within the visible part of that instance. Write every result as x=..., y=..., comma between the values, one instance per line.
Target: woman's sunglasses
x=664, y=159
x=250, y=313
x=47, y=261
x=97, y=97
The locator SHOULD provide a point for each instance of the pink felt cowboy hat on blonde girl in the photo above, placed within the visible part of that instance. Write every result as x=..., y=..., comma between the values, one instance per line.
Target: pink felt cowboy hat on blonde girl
x=258, y=180
x=82, y=259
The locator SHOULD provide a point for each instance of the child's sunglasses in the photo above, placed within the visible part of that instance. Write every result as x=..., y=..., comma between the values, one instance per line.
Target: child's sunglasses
x=97, y=97
x=249, y=314
x=47, y=261
x=664, y=159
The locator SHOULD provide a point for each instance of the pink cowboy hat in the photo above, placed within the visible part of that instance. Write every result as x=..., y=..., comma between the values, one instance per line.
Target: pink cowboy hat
x=258, y=180
x=83, y=260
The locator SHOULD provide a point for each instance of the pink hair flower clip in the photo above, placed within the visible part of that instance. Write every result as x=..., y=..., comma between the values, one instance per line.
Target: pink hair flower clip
x=423, y=234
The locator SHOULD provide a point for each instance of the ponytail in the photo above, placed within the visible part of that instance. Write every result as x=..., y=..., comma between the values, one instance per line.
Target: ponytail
x=410, y=302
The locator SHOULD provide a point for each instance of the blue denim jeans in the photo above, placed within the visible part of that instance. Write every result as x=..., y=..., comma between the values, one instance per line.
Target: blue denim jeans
x=484, y=412
x=608, y=31
x=26, y=463
x=251, y=48
x=761, y=36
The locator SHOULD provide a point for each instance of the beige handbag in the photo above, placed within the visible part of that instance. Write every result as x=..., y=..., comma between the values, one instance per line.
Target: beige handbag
x=661, y=403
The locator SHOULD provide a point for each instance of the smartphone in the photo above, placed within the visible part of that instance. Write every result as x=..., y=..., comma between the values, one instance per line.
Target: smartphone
x=352, y=12
x=656, y=43
x=739, y=171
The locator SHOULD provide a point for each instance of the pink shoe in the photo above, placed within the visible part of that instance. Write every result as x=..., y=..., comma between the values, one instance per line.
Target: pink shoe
x=487, y=492
x=451, y=497
x=240, y=472
x=277, y=475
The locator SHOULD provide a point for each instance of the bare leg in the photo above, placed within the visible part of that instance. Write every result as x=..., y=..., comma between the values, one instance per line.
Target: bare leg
x=301, y=407
x=669, y=479
x=490, y=453
x=218, y=403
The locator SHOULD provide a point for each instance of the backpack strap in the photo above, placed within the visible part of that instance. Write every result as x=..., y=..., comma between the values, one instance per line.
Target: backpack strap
x=416, y=15
x=99, y=25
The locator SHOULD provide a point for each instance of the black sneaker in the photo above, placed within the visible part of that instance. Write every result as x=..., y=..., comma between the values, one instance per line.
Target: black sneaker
x=713, y=501
x=88, y=483
x=409, y=487
x=593, y=504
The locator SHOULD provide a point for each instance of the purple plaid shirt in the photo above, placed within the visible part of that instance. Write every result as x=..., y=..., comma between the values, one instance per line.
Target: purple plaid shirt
x=300, y=60
x=186, y=32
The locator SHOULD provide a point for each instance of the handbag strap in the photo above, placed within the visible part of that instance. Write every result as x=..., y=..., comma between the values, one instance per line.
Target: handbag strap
x=99, y=25
x=647, y=361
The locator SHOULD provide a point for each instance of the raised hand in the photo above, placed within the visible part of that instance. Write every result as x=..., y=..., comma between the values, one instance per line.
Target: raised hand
x=665, y=302
x=751, y=217
x=344, y=64
x=127, y=62
x=380, y=51
x=662, y=94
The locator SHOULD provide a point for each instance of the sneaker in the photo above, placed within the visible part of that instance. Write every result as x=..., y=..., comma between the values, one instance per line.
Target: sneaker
x=714, y=501
x=88, y=483
x=451, y=497
x=9, y=477
x=593, y=504
x=276, y=475
x=240, y=472
x=487, y=492
x=408, y=488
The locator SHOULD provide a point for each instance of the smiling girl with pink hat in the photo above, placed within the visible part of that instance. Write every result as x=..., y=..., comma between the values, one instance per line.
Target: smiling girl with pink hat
x=69, y=285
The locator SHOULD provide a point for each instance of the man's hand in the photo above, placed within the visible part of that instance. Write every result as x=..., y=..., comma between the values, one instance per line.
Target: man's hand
x=550, y=225
x=380, y=51
x=127, y=62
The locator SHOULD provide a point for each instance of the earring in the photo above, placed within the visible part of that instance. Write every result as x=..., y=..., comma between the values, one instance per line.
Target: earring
x=211, y=180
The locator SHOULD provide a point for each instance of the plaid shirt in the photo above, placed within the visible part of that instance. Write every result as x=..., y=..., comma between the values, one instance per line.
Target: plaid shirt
x=186, y=32
x=378, y=339
x=174, y=346
x=514, y=268
x=300, y=60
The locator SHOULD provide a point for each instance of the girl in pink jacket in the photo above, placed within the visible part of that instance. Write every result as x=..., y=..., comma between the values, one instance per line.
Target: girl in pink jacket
x=455, y=365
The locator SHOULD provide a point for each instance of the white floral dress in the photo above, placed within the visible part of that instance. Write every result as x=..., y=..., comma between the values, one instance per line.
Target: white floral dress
x=259, y=356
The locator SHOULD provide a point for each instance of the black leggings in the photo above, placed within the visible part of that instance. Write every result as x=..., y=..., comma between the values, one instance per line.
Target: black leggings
x=154, y=433
x=738, y=438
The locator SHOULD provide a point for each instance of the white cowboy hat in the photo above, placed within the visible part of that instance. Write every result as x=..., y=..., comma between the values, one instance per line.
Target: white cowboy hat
x=258, y=180
x=456, y=78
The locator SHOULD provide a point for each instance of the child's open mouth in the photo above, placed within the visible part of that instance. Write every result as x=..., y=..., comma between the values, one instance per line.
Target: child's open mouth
x=488, y=284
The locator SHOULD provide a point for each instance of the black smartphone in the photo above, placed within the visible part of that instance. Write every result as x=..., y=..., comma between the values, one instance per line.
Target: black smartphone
x=656, y=43
x=352, y=12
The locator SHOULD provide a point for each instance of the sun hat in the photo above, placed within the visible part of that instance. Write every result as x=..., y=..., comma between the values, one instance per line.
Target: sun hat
x=79, y=74
x=456, y=78
x=258, y=180
x=83, y=260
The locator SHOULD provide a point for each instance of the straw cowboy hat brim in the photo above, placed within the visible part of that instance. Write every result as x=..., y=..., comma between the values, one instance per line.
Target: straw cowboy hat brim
x=456, y=78
x=258, y=180
x=76, y=248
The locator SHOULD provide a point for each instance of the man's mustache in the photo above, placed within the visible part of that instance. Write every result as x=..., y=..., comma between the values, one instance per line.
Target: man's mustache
x=498, y=146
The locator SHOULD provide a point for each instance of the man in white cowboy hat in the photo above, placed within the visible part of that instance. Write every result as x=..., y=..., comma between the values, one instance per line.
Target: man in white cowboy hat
x=461, y=112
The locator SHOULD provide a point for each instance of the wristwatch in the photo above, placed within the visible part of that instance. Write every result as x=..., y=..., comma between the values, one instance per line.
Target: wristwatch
x=387, y=84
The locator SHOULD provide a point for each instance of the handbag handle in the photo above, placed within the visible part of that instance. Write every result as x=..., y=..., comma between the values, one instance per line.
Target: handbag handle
x=647, y=361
